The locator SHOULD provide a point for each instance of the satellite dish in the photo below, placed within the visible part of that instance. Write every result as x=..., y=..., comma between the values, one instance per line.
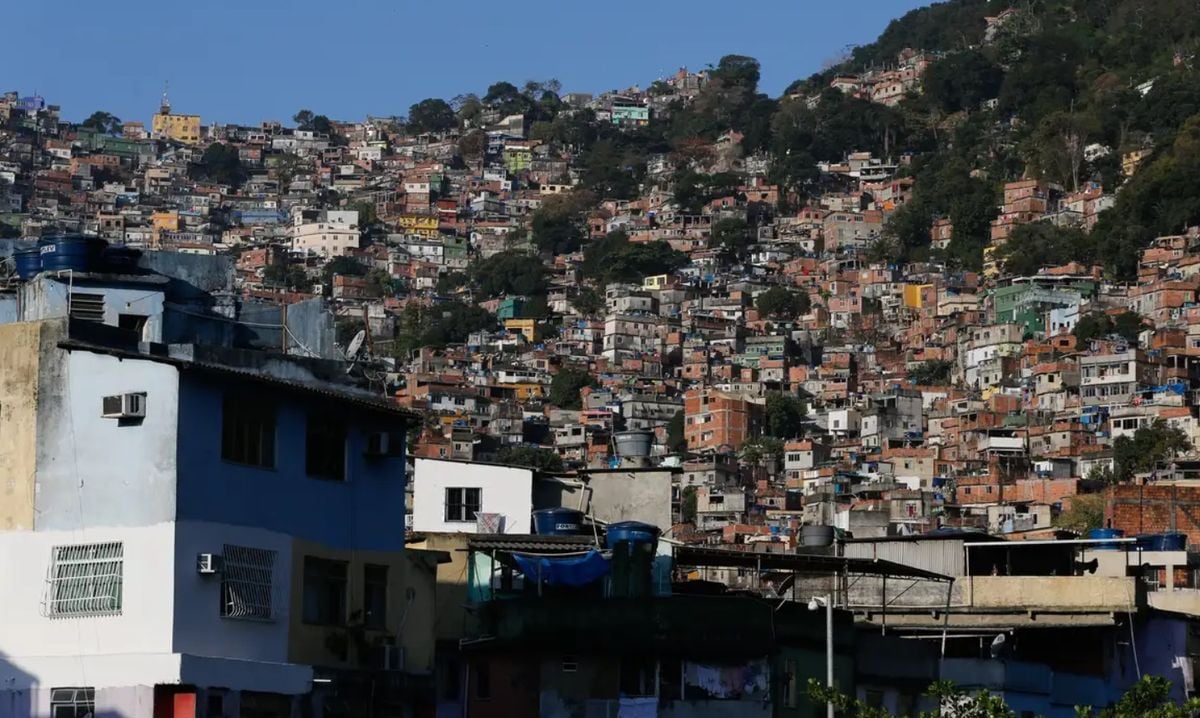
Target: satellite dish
x=356, y=344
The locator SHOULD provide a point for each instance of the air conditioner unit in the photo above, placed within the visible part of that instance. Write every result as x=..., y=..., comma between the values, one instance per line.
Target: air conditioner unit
x=124, y=406
x=384, y=443
x=208, y=563
x=391, y=657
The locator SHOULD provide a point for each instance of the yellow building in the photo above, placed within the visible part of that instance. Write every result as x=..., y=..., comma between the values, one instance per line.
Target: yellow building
x=915, y=295
x=181, y=128
x=527, y=327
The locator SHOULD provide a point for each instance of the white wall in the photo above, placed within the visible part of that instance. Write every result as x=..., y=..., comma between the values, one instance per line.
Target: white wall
x=143, y=627
x=98, y=472
x=46, y=298
x=505, y=490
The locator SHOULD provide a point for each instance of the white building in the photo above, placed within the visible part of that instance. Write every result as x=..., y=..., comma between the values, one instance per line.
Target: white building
x=450, y=496
x=329, y=234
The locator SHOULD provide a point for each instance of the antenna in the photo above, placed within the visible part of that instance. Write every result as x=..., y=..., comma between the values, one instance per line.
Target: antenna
x=354, y=348
x=165, y=106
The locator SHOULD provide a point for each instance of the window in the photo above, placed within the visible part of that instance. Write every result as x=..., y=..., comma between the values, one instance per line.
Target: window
x=248, y=433
x=324, y=591
x=375, y=579
x=132, y=322
x=570, y=663
x=86, y=306
x=85, y=580
x=72, y=702
x=246, y=583
x=325, y=448
x=463, y=504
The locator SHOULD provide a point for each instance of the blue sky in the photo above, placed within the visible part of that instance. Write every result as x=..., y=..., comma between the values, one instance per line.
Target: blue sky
x=264, y=59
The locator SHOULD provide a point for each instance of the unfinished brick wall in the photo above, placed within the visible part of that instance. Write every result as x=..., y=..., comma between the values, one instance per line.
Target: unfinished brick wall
x=1155, y=509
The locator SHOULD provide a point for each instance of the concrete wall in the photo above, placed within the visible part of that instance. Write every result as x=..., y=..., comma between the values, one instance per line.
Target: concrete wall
x=88, y=467
x=1075, y=593
x=307, y=643
x=199, y=628
x=19, y=358
x=452, y=620
x=506, y=490
x=47, y=298
x=145, y=623
x=366, y=511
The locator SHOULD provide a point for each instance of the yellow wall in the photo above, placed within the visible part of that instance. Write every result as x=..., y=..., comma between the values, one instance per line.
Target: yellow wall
x=20, y=346
x=528, y=327
x=529, y=391
x=165, y=220
x=912, y=295
x=307, y=643
x=181, y=128
x=453, y=621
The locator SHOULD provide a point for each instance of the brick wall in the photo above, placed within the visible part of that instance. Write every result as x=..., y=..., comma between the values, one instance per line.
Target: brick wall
x=1155, y=508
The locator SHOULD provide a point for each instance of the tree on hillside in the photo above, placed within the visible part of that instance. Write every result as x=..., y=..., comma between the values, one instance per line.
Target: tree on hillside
x=103, y=122
x=784, y=416
x=782, y=303
x=1150, y=447
x=675, y=436
x=566, y=385
x=431, y=115
x=532, y=457
x=1099, y=325
x=558, y=224
x=1037, y=245
x=220, y=163
x=962, y=81
x=731, y=234
x=935, y=372
x=512, y=273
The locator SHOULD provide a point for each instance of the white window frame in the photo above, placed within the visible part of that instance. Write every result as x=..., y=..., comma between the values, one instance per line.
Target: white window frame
x=247, y=583
x=85, y=580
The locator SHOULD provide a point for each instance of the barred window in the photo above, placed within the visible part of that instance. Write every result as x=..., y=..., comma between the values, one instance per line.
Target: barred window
x=85, y=580
x=246, y=583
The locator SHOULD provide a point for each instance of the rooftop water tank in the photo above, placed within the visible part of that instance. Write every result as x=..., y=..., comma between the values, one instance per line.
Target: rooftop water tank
x=28, y=262
x=73, y=252
x=634, y=533
x=816, y=535
x=558, y=522
x=1099, y=534
x=633, y=443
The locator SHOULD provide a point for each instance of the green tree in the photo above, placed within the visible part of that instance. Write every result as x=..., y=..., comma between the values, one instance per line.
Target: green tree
x=782, y=303
x=588, y=302
x=935, y=372
x=1148, y=449
x=688, y=505
x=731, y=234
x=532, y=457
x=962, y=81
x=762, y=450
x=512, y=273
x=557, y=225
x=1084, y=513
x=220, y=163
x=784, y=416
x=104, y=122
x=565, y=386
x=1041, y=244
x=431, y=115
x=1098, y=325
x=675, y=436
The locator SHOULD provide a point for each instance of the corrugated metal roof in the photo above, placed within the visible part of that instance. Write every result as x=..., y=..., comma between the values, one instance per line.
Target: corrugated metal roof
x=812, y=564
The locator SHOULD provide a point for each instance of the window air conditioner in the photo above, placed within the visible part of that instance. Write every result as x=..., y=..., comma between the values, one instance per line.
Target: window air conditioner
x=208, y=563
x=124, y=406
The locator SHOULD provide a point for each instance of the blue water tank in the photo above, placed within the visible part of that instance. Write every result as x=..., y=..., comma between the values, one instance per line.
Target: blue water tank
x=633, y=533
x=72, y=252
x=1162, y=542
x=558, y=522
x=28, y=261
x=1097, y=534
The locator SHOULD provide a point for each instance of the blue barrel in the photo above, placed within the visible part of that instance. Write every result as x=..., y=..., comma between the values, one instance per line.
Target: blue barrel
x=71, y=252
x=633, y=533
x=1096, y=534
x=28, y=261
x=558, y=522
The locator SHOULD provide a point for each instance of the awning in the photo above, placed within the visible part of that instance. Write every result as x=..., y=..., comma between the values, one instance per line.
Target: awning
x=802, y=563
